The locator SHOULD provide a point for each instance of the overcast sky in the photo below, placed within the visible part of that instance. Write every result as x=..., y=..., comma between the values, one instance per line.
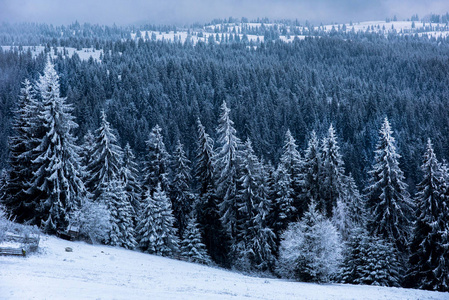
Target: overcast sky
x=180, y=12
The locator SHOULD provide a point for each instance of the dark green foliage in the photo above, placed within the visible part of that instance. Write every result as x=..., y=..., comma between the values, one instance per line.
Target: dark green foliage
x=389, y=204
x=428, y=261
x=370, y=260
x=191, y=246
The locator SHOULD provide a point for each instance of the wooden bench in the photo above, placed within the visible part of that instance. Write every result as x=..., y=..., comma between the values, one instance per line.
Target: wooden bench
x=12, y=251
x=70, y=234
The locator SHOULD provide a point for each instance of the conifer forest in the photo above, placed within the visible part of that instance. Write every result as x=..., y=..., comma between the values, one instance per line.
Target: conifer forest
x=320, y=159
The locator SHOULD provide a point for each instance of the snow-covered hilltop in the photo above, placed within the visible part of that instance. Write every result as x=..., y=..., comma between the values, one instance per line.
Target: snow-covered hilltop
x=287, y=32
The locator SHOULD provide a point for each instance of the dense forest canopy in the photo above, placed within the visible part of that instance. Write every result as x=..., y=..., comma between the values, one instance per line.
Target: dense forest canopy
x=352, y=81
x=301, y=159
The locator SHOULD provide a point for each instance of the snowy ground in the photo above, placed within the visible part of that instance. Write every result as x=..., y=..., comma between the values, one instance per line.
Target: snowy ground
x=101, y=272
x=84, y=53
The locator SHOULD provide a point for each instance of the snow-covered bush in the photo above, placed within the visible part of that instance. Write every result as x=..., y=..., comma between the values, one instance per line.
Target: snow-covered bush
x=310, y=249
x=93, y=221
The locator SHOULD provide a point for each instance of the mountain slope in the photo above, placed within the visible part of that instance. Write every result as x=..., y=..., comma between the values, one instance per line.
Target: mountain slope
x=101, y=272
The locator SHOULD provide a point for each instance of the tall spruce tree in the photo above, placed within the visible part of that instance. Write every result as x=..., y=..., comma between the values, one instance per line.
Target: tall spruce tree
x=106, y=160
x=180, y=193
x=292, y=164
x=130, y=177
x=349, y=213
x=156, y=165
x=332, y=175
x=56, y=185
x=428, y=248
x=254, y=245
x=27, y=130
x=312, y=169
x=115, y=198
x=86, y=154
x=388, y=202
x=207, y=205
x=227, y=166
x=156, y=231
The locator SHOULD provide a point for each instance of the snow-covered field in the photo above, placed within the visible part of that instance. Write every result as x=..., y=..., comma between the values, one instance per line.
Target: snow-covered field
x=84, y=53
x=101, y=272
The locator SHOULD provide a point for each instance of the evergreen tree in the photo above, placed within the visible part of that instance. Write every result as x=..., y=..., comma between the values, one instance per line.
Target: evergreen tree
x=312, y=170
x=332, y=173
x=86, y=154
x=26, y=133
x=156, y=233
x=254, y=243
x=290, y=170
x=284, y=209
x=157, y=163
x=428, y=248
x=261, y=239
x=56, y=185
x=181, y=197
x=356, y=257
x=383, y=267
x=350, y=210
x=206, y=207
x=191, y=246
x=389, y=205
x=370, y=260
x=247, y=197
x=227, y=164
x=106, y=160
x=130, y=176
x=115, y=198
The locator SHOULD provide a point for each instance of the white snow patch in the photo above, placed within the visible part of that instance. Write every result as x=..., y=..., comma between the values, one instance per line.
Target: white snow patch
x=101, y=272
x=84, y=53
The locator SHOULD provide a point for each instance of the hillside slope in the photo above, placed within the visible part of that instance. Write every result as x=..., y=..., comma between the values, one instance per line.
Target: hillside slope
x=101, y=272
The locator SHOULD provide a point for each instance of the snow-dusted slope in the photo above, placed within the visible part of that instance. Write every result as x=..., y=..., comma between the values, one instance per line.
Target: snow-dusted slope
x=101, y=272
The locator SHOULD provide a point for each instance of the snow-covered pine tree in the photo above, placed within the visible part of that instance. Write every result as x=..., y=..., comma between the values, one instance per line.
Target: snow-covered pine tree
x=350, y=210
x=56, y=184
x=312, y=170
x=254, y=244
x=370, y=260
x=106, y=159
x=332, y=175
x=192, y=247
x=227, y=169
x=115, y=198
x=247, y=192
x=355, y=257
x=155, y=231
x=292, y=164
x=156, y=165
x=388, y=202
x=283, y=210
x=428, y=247
x=206, y=206
x=86, y=154
x=383, y=267
x=180, y=193
x=27, y=130
x=310, y=249
x=261, y=240
x=130, y=176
